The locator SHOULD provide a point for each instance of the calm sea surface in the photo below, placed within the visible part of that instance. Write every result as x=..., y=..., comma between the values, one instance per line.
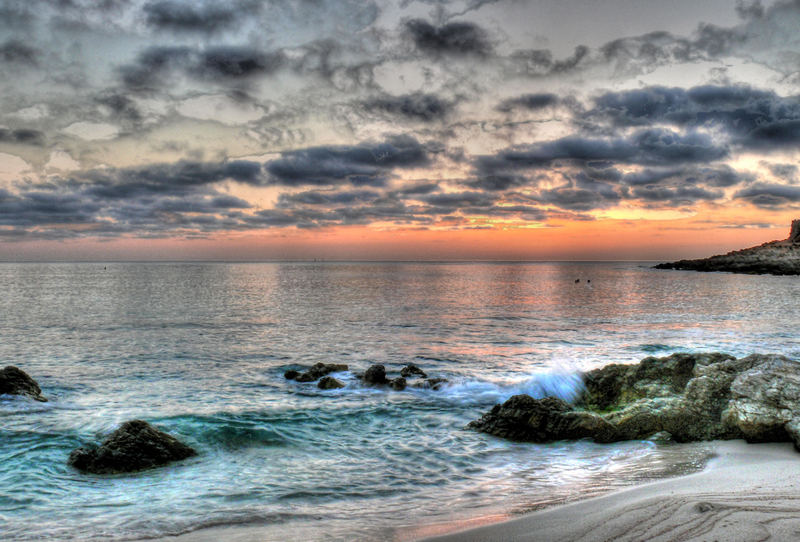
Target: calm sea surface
x=200, y=349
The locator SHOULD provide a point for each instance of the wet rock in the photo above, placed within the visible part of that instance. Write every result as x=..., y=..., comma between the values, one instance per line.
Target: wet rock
x=690, y=396
x=330, y=383
x=375, y=375
x=15, y=381
x=435, y=384
x=135, y=445
x=398, y=384
x=412, y=370
x=540, y=420
x=291, y=374
x=318, y=370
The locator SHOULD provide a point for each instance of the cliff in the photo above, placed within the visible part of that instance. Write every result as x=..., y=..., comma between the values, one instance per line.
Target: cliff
x=773, y=258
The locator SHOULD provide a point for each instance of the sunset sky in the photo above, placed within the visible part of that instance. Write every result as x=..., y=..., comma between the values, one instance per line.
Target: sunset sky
x=430, y=129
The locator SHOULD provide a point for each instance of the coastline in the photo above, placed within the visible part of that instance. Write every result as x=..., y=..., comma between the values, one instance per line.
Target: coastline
x=747, y=492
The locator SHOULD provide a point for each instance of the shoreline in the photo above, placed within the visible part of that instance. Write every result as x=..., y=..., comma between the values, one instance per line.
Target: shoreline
x=746, y=492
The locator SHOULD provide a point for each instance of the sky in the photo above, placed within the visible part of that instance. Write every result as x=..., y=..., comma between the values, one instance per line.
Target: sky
x=396, y=130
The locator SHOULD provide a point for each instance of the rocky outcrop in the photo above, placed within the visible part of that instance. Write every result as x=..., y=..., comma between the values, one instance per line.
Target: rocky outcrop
x=330, y=383
x=315, y=372
x=135, y=445
x=690, y=396
x=773, y=258
x=411, y=371
x=375, y=375
x=15, y=381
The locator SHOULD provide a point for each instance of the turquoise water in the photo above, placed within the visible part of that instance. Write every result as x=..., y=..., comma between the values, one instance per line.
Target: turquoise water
x=200, y=349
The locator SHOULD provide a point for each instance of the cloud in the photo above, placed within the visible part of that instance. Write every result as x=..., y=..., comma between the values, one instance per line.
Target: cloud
x=363, y=164
x=540, y=62
x=532, y=102
x=17, y=52
x=220, y=64
x=184, y=16
x=22, y=136
x=750, y=117
x=418, y=106
x=650, y=146
x=453, y=39
x=770, y=196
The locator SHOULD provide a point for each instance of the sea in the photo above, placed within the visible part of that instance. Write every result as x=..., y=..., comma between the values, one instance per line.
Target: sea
x=199, y=350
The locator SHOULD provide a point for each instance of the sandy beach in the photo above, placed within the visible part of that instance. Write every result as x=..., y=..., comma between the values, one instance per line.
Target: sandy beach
x=749, y=492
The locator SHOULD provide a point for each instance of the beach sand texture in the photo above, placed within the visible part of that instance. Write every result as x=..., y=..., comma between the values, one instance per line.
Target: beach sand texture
x=749, y=493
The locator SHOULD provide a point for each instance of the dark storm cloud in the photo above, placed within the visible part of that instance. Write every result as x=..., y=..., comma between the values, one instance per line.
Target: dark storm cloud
x=752, y=118
x=646, y=147
x=166, y=179
x=22, y=137
x=38, y=207
x=418, y=106
x=363, y=164
x=531, y=102
x=313, y=197
x=185, y=16
x=223, y=65
x=680, y=195
x=497, y=182
x=17, y=52
x=454, y=39
x=770, y=196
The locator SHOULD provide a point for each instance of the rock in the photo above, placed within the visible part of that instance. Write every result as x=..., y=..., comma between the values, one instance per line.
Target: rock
x=690, y=396
x=764, y=399
x=431, y=383
x=291, y=374
x=540, y=420
x=135, y=445
x=318, y=370
x=398, y=384
x=775, y=258
x=412, y=370
x=15, y=381
x=330, y=383
x=375, y=375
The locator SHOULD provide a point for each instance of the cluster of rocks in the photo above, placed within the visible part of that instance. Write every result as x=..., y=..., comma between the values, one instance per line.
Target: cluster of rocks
x=774, y=258
x=135, y=445
x=689, y=397
x=375, y=375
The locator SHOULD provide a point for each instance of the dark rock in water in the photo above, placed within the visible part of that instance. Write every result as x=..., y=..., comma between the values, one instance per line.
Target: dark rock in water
x=398, y=384
x=291, y=374
x=775, y=258
x=135, y=445
x=318, y=370
x=330, y=383
x=412, y=370
x=376, y=374
x=539, y=420
x=431, y=383
x=15, y=381
x=689, y=396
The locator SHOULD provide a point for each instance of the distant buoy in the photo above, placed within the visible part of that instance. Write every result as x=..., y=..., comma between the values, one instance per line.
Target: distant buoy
x=577, y=281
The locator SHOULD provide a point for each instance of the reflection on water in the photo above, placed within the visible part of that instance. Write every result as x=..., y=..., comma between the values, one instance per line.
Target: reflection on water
x=199, y=349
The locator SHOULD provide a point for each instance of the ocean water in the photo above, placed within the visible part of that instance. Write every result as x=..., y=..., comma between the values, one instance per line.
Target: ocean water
x=200, y=349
